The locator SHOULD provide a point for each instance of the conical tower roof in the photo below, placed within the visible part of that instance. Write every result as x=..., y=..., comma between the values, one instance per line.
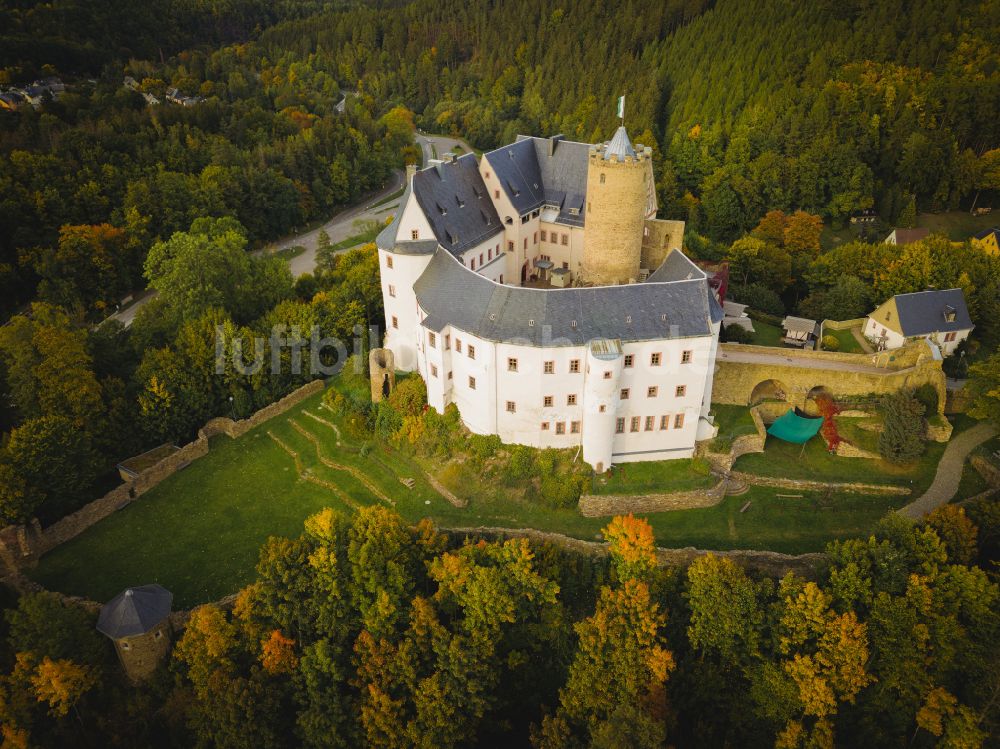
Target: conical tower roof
x=135, y=611
x=619, y=147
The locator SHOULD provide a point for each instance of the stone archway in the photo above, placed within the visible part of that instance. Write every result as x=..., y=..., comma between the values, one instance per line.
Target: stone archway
x=811, y=406
x=768, y=390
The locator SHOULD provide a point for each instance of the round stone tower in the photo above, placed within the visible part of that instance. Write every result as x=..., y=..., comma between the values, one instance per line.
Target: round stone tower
x=138, y=621
x=620, y=197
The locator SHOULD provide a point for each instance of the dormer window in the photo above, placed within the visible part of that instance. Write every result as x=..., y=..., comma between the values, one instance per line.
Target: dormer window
x=574, y=211
x=949, y=313
x=461, y=203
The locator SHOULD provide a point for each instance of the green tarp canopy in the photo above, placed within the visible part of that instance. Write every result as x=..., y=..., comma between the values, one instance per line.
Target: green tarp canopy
x=791, y=427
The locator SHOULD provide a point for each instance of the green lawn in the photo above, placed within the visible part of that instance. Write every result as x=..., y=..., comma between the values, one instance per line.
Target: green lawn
x=655, y=476
x=766, y=334
x=733, y=422
x=199, y=532
x=957, y=225
x=848, y=343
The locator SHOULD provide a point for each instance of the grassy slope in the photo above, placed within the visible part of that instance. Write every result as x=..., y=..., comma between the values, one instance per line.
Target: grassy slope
x=198, y=533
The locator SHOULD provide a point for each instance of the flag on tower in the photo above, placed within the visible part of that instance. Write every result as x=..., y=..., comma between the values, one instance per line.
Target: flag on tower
x=621, y=107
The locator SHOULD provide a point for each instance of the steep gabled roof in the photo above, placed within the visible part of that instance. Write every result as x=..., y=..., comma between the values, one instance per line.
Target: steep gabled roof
x=134, y=611
x=448, y=291
x=986, y=232
x=924, y=312
x=454, y=200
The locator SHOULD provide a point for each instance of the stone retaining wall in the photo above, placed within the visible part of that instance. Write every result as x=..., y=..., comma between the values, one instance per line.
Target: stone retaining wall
x=606, y=505
x=808, y=485
x=742, y=445
x=847, y=449
x=770, y=563
x=21, y=545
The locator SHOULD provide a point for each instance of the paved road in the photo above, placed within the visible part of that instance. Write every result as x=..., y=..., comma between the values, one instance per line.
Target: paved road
x=441, y=145
x=754, y=357
x=949, y=470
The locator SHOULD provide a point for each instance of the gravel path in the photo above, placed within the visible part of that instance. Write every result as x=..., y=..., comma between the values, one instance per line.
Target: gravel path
x=949, y=470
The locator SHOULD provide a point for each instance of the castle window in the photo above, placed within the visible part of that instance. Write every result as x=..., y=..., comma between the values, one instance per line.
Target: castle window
x=511, y=407
x=473, y=264
x=388, y=261
x=574, y=366
x=629, y=360
x=414, y=234
x=560, y=427
x=447, y=343
x=571, y=399
x=449, y=374
x=678, y=421
x=472, y=383
x=534, y=239
x=511, y=364
x=510, y=247
x=634, y=425
x=650, y=423
x=681, y=391
x=651, y=391
x=525, y=243
x=949, y=337
x=432, y=339
x=623, y=395
x=607, y=374
x=549, y=367
x=434, y=370
x=395, y=322
x=496, y=194
x=545, y=426
x=458, y=345
x=501, y=278
x=574, y=427
x=524, y=219
x=489, y=254
x=620, y=425
x=565, y=239
x=686, y=357
x=602, y=178
x=602, y=408
x=480, y=258
x=472, y=351
x=664, y=421
x=654, y=359
x=487, y=175
x=544, y=235
x=392, y=290
x=547, y=401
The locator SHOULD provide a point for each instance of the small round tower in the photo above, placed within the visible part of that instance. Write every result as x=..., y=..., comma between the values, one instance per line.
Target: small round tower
x=600, y=401
x=138, y=621
x=382, y=371
x=620, y=197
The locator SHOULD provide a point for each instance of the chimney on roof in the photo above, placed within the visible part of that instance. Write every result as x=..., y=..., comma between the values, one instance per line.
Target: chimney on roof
x=554, y=141
x=451, y=157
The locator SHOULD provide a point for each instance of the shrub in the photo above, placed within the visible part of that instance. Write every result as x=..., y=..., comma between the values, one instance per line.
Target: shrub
x=560, y=491
x=409, y=396
x=388, y=421
x=521, y=464
x=484, y=446
x=927, y=394
x=830, y=343
x=736, y=334
x=902, y=437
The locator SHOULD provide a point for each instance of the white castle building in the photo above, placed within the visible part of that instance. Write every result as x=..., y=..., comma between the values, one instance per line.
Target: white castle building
x=536, y=290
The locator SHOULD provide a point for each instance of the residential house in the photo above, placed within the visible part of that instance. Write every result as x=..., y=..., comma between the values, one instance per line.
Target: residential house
x=907, y=236
x=988, y=240
x=939, y=315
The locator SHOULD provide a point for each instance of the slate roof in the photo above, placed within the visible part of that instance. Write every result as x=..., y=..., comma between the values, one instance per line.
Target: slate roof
x=448, y=291
x=134, y=611
x=544, y=171
x=923, y=312
x=454, y=199
x=387, y=240
x=676, y=267
x=619, y=147
x=986, y=232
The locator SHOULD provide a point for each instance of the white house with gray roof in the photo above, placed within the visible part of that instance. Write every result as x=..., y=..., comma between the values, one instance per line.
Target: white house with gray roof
x=623, y=370
x=939, y=315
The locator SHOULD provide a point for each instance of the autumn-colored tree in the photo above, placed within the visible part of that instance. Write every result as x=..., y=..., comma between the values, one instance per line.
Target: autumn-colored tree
x=772, y=227
x=726, y=617
x=802, y=232
x=957, y=532
x=62, y=683
x=278, y=654
x=631, y=545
